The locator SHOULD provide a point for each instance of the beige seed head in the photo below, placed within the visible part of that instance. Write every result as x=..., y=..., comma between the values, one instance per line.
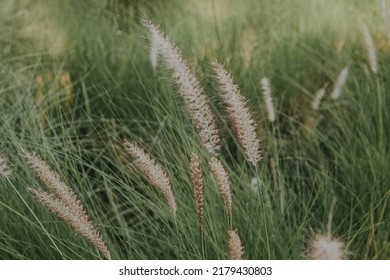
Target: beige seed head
x=78, y=220
x=197, y=183
x=190, y=89
x=386, y=19
x=268, y=99
x=324, y=247
x=5, y=170
x=223, y=183
x=64, y=203
x=240, y=117
x=342, y=78
x=318, y=97
x=371, y=50
x=153, y=172
x=235, y=247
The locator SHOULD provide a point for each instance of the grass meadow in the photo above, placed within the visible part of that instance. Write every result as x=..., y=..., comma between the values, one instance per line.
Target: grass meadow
x=76, y=79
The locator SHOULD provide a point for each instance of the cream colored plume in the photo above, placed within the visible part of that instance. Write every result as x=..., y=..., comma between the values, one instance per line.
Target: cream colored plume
x=153, y=172
x=236, y=249
x=197, y=183
x=268, y=99
x=323, y=247
x=240, y=117
x=5, y=170
x=342, y=78
x=371, y=50
x=195, y=100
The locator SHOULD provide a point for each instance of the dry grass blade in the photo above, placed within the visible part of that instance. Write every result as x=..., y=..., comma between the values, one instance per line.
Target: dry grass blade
x=153, y=172
x=197, y=183
x=5, y=170
x=78, y=220
x=189, y=88
x=223, y=184
x=64, y=203
x=236, y=249
x=240, y=117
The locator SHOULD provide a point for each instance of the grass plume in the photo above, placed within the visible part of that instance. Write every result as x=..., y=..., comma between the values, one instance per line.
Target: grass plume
x=197, y=183
x=371, y=50
x=240, y=117
x=268, y=99
x=323, y=247
x=153, y=172
x=236, y=249
x=64, y=203
x=5, y=170
x=224, y=185
x=341, y=79
x=190, y=89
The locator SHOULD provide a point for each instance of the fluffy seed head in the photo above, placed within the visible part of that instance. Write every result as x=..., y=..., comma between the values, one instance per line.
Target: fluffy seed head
x=64, y=203
x=197, y=183
x=235, y=247
x=268, y=99
x=153, y=172
x=386, y=19
x=342, y=78
x=370, y=46
x=318, y=97
x=240, y=117
x=223, y=183
x=5, y=170
x=189, y=88
x=326, y=248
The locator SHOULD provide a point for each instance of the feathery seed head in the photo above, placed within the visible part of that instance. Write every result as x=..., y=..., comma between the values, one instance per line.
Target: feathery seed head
x=153, y=172
x=197, y=183
x=318, y=97
x=371, y=51
x=235, y=247
x=223, y=183
x=240, y=117
x=386, y=19
x=64, y=203
x=268, y=99
x=342, y=78
x=189, y=88
x=326, y=248
x=5, y=170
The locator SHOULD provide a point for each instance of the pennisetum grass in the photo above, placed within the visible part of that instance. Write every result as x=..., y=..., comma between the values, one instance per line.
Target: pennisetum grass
x=342, y=78
x=197, y=183
x=5, y=170
x=240, y=117
x=268, y=99
x=153, y=52
x=236, y=249
x=370, y=46
x=318, y=97
x=224, y=186
x=153, y=172
x=190, y=89
x=64, y=203
x=324, y=247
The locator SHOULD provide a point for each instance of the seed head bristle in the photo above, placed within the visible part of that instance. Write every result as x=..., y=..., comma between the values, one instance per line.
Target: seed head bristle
x=78, y=220
x=235, y=247
x=324, y=247
x=371, y=50
x=153, y=172
x=268, y=99
x=197, y=183
x=64, y=203
x=190, y=89
x=342, y=78
x=223, y=183
x=240, y=117
x=5, y=170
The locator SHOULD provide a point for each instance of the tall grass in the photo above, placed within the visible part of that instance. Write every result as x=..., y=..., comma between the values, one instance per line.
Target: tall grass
x=319, y=167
